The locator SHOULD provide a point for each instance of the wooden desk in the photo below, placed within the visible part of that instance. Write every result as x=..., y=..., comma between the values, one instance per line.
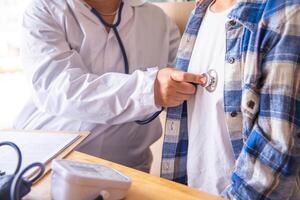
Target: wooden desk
x=144, y=186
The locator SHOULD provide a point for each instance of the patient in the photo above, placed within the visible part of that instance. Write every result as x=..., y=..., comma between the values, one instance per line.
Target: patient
x=242, y=140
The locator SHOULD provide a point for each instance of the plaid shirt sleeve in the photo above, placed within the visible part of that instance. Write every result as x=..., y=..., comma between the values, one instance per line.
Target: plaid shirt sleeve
x=269, y=163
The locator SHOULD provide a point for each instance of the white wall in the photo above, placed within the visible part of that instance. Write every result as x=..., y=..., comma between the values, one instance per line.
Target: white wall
x=14, y=93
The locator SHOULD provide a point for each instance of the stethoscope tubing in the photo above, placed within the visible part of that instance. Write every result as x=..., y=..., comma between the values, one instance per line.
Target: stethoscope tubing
x=211, y=75
x=18, y=152
x=15, y=188
x=125, y=58
x=114, y=27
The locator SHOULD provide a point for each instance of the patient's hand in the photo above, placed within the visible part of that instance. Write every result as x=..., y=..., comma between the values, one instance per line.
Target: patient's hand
x=172, y=87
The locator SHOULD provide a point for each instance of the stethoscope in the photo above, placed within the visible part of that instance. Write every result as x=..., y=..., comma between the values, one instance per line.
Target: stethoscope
x=16, y=185
x=211, y=76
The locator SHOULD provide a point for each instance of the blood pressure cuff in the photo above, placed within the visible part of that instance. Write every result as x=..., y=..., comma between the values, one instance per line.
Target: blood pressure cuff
x=6, y=184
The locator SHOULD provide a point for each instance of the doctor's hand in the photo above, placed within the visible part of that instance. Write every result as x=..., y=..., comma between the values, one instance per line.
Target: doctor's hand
x=172, y=87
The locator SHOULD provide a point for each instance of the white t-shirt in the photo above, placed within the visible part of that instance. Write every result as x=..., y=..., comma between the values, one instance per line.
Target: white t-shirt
x=210, y=155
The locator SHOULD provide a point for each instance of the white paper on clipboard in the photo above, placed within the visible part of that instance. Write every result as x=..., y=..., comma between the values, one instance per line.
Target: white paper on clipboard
x=35, y=147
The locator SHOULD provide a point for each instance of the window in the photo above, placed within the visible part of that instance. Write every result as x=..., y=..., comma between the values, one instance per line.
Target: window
x=10, y=21
x=13, y=88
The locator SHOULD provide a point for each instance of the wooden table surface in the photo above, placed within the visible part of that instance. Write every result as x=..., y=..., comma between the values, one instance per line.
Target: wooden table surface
x=144, y=186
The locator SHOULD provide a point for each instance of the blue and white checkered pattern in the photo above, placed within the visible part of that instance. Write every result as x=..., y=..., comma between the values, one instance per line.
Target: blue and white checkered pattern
x=261, y=99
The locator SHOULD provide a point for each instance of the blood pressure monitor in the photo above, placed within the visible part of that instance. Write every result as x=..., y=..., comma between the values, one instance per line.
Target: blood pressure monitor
x=83, y=181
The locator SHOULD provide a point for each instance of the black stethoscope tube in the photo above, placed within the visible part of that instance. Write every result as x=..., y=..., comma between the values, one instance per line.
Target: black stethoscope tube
x=114, y=28
x=19, y=154
x=18, y=181
x=150, y=119
x=122, y=49
x=125, y=58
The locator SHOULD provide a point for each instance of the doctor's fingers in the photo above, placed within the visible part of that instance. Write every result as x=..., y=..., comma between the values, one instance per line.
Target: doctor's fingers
x=172, y=100
x=179, y=97
x=176, y=99
x=183, y=87
x=181, y=76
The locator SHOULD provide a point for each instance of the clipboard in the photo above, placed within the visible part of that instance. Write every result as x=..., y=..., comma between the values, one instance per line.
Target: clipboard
x=72, y=139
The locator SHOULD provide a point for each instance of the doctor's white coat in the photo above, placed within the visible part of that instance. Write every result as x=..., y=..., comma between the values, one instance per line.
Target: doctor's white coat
x=76, y=73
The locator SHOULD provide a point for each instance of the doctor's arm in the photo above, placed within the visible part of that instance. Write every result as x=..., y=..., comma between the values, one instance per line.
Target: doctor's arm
x=174, y=40
x=63, y=86
x=269, y=164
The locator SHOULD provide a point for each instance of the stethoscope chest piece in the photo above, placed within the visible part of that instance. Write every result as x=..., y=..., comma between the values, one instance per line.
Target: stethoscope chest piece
x=212, y=80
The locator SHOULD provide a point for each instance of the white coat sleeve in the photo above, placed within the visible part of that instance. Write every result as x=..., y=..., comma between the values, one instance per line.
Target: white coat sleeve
x=174, y=42
x=62, y=86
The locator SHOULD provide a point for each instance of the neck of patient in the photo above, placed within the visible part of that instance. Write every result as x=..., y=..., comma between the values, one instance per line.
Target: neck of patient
x=222, y=5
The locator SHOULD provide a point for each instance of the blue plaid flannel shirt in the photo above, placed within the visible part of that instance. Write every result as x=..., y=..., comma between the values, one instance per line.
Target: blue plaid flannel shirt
x=261, y=99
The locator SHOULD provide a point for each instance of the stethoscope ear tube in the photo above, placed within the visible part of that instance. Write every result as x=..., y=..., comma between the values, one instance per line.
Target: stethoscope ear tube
x=150, y=119
x=21, y=186
x=18, y=151
x=114, y=27
x=16, y=186
x=125, y=58
x=116, y=24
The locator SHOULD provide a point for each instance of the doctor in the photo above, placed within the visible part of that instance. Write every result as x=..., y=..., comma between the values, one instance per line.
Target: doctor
x=76, y=69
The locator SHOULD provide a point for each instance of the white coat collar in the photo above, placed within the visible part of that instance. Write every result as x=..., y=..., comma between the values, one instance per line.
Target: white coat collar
x=134, y=3
x=85, y=9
